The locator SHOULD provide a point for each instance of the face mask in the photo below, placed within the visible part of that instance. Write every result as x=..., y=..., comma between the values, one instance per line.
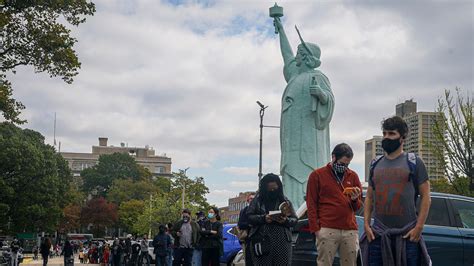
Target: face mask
x=185, y=219
x=273, y=195
x=391, y=145
x=210, y=215
x=339, y=168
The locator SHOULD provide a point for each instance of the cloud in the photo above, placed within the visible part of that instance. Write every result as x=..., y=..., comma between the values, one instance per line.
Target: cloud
x=183, y=77
x=251, y=185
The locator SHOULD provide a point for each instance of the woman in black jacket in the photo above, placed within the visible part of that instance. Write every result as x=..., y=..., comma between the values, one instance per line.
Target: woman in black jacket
x=44, y=250
x=68, y=253
x=270, y=234
x=211, y=238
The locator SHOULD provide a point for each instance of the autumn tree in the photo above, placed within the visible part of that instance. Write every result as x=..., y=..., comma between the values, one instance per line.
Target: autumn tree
x=33, y=33
x=100, y=214
x=454, y=136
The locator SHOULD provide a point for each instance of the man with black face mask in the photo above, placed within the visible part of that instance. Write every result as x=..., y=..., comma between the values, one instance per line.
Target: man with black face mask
x=395, y=181
x=186, y=235
x=333, y=196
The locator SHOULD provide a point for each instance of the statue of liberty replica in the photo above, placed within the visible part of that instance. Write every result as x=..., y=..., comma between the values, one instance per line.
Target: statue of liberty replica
x=306, y=110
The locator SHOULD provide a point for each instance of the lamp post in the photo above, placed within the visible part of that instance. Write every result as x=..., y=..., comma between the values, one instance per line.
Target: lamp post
x=262, y=113
x=184, y=187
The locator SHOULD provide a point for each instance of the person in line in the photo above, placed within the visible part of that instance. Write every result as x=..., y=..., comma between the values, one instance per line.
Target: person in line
x=244, y=229
x=144, y=250
x=186, y=235
x=169, y=258
x=333, y=196
x=270, y=235
x=211, y=238
x=395, y=182
x=14, y=248
x=197, y=253
x=68, y=253
x=161, y=246
x=135, y=253
x=45, y=248
x=117, y=251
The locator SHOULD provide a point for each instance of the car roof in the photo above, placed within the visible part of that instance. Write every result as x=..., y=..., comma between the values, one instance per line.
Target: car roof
x=452, y=196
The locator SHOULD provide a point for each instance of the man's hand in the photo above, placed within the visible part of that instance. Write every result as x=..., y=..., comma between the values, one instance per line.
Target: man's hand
x=268, y=219
x=213, y=232
x=355, y=193
x=414, y=234
x=178, y=233
x=369, y=233
x=316, y=234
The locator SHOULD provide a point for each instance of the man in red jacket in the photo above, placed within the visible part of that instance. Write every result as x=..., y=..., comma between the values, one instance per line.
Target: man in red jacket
x=333, y=196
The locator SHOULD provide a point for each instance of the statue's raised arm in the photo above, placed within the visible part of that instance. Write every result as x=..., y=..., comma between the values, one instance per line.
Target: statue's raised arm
x=285, y=46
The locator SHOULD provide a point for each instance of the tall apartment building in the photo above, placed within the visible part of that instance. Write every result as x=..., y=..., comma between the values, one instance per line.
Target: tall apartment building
x=373, y=148
x=157, y=165
x=420, y=136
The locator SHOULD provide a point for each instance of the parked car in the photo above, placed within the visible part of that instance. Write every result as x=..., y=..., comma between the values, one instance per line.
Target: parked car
x=448, y=233
x=231, y=243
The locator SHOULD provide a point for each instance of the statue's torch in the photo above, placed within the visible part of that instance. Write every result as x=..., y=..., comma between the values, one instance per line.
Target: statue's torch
x=276, y=12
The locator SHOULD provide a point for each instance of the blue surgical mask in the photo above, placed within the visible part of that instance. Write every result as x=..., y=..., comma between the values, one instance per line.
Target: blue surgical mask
x=210, y=215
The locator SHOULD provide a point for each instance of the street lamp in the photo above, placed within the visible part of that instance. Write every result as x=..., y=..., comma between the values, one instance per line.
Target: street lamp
x=262, y=113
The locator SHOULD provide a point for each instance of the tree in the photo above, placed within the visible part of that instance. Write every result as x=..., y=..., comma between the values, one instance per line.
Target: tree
x=100, y=214
x=99, y=179
x=454, y=136
x=32, y=33
x=126, y=189
x=33, y=181
x=129, y=211
x=71, y=218
x=167, y=206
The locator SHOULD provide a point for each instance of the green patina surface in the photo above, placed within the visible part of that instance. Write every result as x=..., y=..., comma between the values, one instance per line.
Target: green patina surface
x=307, y=108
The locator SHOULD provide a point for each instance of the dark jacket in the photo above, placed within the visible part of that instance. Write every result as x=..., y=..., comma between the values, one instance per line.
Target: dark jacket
x=67, y=251
x=195, y=233
x=44, y=249
x=256, y=215
x=209, y=240
x=161, y=244
x=243, y=223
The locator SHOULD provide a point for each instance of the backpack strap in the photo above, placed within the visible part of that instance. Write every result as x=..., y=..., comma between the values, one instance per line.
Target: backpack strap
x=411, y=160
x=374, y=162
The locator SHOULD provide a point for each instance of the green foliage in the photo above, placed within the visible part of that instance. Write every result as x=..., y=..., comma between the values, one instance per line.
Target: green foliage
x=10, y=107
x=32, y=33
x=129, y=211
x=111, y=167
x=34, y=180
x=454, y=138
x=167, y=206
x=126, y=189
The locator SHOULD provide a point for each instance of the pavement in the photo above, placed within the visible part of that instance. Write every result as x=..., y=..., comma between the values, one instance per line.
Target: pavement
x=56, y=261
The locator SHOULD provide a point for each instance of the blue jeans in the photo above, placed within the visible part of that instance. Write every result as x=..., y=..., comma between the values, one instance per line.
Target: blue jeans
x=169, y=258
x=197, y=255
x=375, y=252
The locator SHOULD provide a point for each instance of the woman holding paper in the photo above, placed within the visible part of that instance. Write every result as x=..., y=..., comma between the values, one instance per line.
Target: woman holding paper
x=271, y=216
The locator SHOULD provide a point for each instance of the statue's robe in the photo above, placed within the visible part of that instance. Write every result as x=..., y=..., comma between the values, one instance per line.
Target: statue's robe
x=304, y=129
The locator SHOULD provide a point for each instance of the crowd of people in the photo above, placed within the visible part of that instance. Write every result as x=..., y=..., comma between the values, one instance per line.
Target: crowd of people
x=333, y=195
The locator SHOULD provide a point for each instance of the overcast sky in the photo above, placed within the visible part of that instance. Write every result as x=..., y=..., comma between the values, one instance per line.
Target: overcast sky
x=183, y=77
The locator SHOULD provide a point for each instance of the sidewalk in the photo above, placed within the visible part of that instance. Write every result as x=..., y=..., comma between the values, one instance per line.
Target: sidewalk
x=56, y=261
